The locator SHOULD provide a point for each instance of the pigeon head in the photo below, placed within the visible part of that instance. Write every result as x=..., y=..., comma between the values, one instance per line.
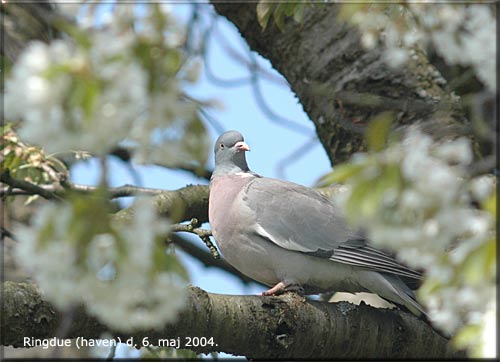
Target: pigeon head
x=230, y=150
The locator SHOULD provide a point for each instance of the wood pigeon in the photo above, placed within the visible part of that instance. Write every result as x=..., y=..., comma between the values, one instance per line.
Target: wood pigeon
x=292, y=238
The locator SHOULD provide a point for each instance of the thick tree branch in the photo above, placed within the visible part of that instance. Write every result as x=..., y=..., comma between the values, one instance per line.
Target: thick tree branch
x=337, y=81
x=257, y=327
x=183, y=204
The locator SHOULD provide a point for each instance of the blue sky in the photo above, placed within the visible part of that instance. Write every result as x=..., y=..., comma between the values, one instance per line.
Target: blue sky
x=271, y=143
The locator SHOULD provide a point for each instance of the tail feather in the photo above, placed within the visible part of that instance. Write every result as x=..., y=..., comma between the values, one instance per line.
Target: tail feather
x=399, y=293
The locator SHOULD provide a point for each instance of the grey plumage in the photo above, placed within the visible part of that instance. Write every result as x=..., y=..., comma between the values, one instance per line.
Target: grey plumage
x=289, y=236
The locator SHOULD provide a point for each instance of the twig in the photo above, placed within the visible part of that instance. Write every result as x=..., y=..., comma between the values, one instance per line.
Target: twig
x=263, y=73
x=54, y=175
x=211, y=76
x=197, y=171
x=115, y=192
x=203, y=234
x=212, y=120
x=6, y=233
x=51, y=191
x=266, y=109
x=295, y=155
x=25, y=185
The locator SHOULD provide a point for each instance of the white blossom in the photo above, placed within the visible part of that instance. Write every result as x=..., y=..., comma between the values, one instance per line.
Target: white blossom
x=482, y=187
x=113, y=274
x=432, y=224
x=70, y=9
x=92, y=95
x=458, y=32
x=489, y=331
x=458, y=151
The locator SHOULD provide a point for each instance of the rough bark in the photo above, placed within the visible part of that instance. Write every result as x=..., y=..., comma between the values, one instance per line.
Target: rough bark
x=254, y=326
x=342, y=86
x=179, y=205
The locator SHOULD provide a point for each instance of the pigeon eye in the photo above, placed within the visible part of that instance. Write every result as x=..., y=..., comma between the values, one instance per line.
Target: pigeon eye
x=221, y=146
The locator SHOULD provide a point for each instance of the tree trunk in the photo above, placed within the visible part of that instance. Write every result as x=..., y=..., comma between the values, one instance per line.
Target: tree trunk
x=342, y=86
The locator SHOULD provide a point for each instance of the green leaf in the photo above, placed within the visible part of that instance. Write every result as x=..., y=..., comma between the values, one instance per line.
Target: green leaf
x=378, y=131
x=264, y=11
x=6, y=127
x=467, y=335
x=90, y=96
x=90, y=216
x=298, y=13
x=480, y=264
x=80, y=36
x=7, y=65
x=341, y=173
x=10, y=162
x=165, y=261
x=46, y=234
x=348, y=10
x=56, y=70
x=279, y=17
x=85, y=94
x=368, y=194
x=389, y=180
x=288, y=8
x=490, y=204
x=429, y=287
x=357, y=202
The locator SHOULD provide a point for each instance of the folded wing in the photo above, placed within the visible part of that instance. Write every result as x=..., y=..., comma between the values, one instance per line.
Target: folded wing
x=298, y=218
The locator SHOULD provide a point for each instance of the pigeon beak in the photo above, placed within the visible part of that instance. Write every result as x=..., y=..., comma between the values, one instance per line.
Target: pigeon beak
x=242, y=146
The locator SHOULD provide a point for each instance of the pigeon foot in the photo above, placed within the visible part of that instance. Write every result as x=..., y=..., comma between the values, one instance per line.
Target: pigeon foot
x=283, y=287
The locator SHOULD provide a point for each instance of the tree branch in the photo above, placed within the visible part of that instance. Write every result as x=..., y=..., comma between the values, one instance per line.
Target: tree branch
x=20, y=187
x=288, y=326
x=192, y=228
x=28, y=187
x=203, y=234
x=179, y=205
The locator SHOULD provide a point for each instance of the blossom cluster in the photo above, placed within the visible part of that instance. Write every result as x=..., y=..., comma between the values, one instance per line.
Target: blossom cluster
x=119, y=271
x=458, y=33
x=418, y=200
x=116, y=84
